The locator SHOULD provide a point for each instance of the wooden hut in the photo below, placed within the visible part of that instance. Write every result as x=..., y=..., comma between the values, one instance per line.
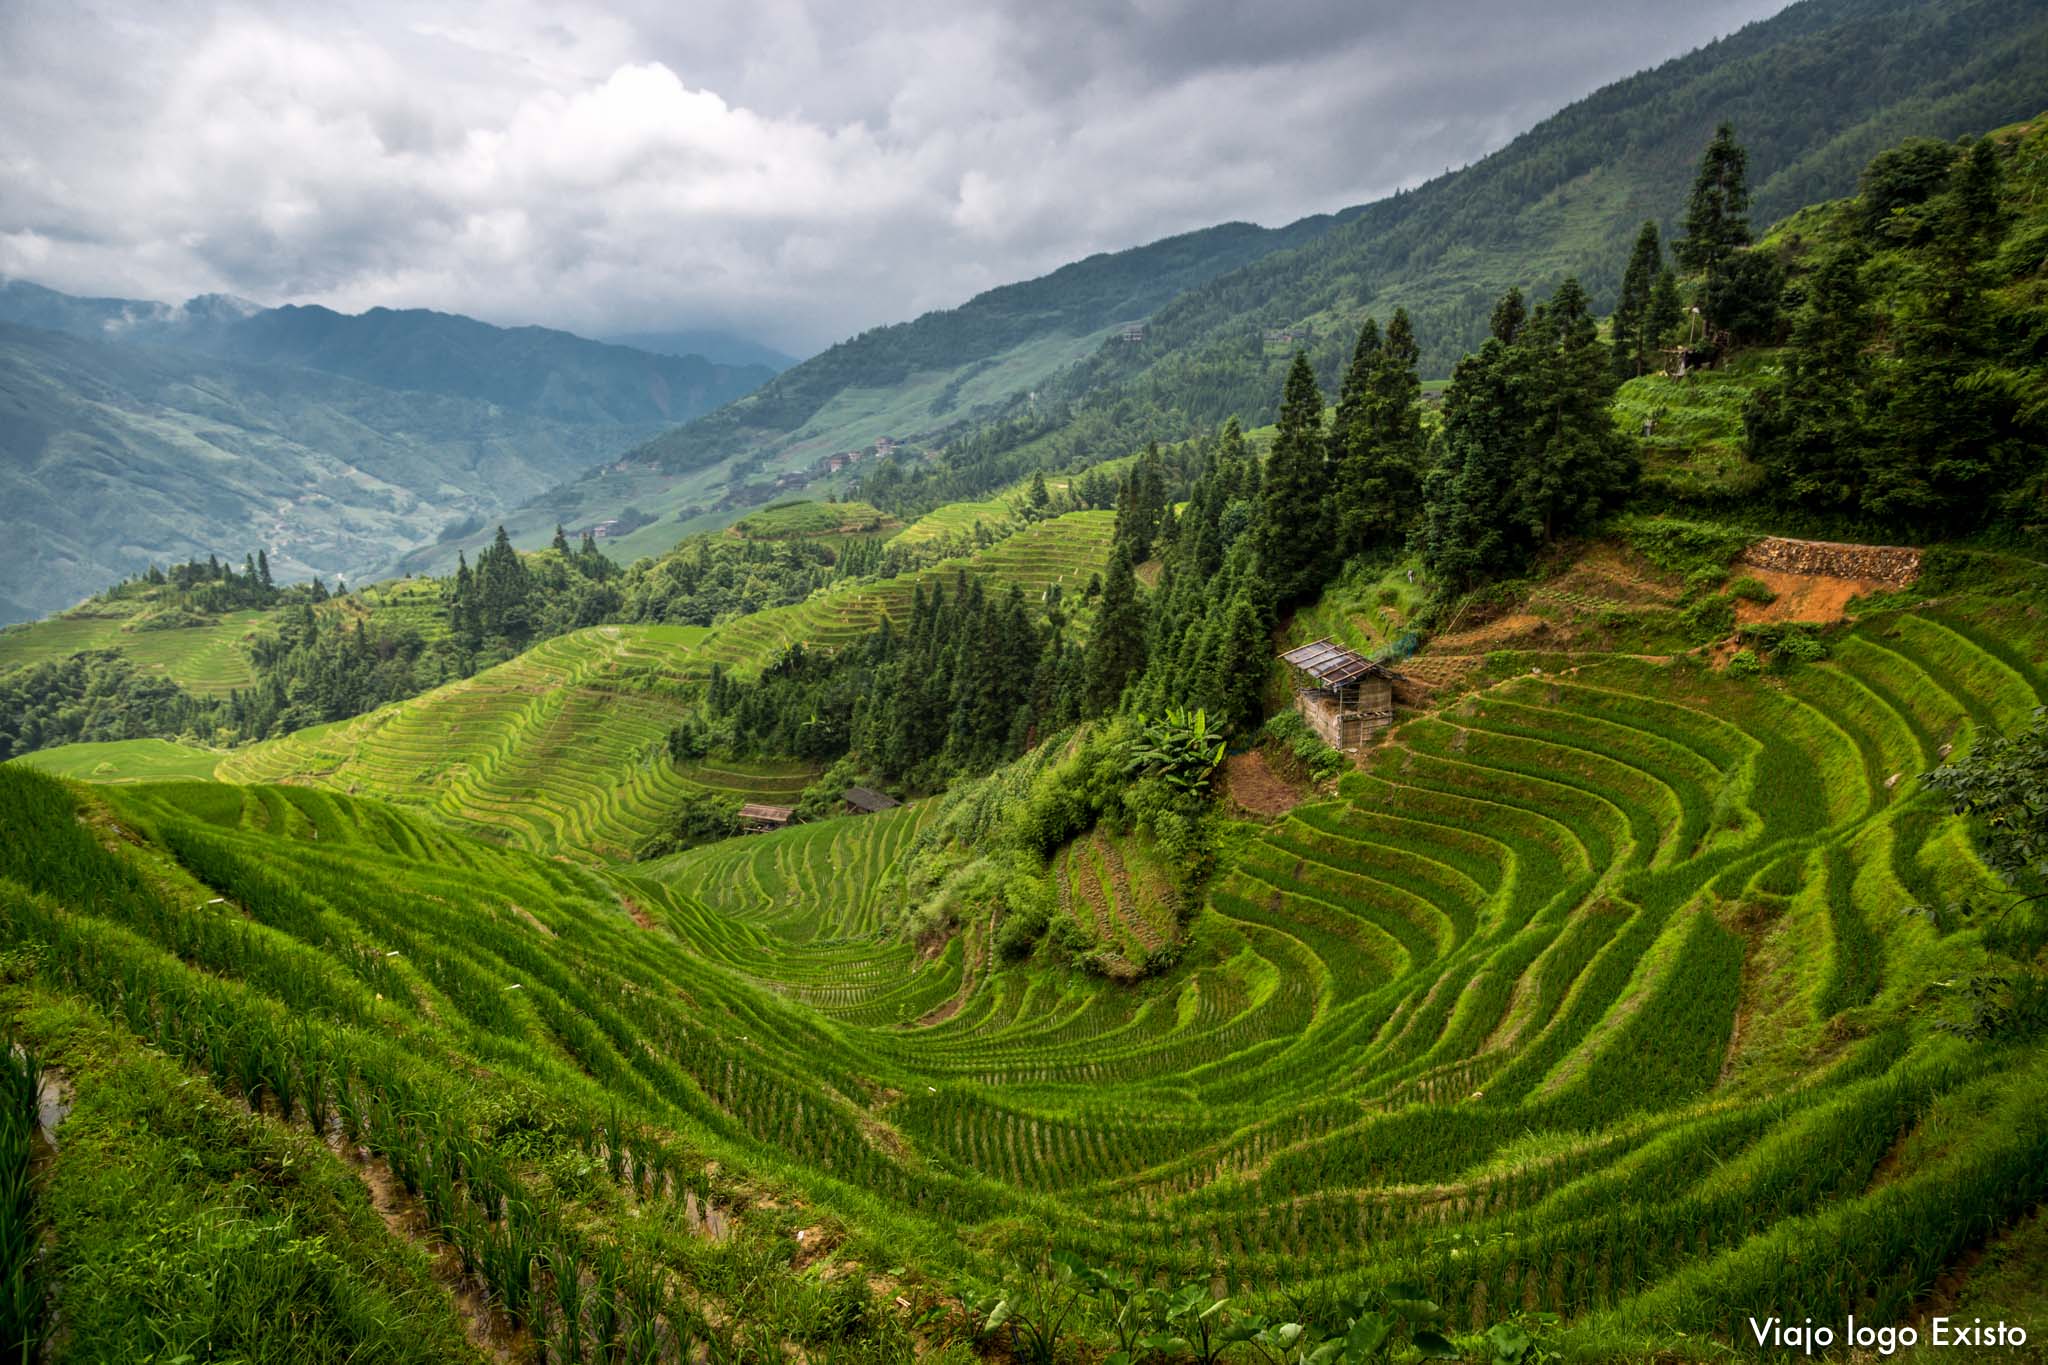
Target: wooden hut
x=866, y=801
x=759, y=819
x=1344, y=696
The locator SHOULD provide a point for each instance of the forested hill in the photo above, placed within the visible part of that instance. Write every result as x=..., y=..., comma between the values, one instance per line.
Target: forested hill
x=1814, y=93
x=533, y=370
x=914, y=382
x=1074, y=301
x=1017, y=378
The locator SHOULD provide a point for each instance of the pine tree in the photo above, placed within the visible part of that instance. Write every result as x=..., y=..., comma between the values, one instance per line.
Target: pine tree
x=1717, y=222
x=1808, y=429
x=1508, y=316
x=1528, y=450
x=560, y=544
x=1580, y=461
x=1634, y=339
x=1385, y=485
x=1350, y=445
x=1039, y=497
x=1293, y=539
x=1667, y=311
x=263, y=570
x=1239, y=665
x=1116, y=649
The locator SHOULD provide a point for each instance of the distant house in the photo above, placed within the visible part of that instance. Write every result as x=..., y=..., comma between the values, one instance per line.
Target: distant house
x=1134, y=331
x=885, y=446
x=1344, y=696
x=604, y=529
x=835, y=463
x=759, y=819
x=865, y=801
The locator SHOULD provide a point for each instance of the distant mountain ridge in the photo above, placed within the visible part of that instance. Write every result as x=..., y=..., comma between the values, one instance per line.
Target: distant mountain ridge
x=902, y=380
x=1564, y=198
x=134, y=432
x=719, y=347
x=536, y=370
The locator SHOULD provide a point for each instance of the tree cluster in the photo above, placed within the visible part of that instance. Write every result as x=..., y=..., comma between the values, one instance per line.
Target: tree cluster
x=1904, y=397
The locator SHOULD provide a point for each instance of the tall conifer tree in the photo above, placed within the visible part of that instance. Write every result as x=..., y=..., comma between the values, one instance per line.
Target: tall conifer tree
x=1294, y=533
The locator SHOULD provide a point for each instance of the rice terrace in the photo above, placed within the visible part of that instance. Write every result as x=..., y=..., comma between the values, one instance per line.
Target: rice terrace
x=1463, y=778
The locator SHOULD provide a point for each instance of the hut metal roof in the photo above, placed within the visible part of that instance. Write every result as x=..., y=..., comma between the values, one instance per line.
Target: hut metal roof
x=1334, y=665
x=778, y=814
x=865, y=798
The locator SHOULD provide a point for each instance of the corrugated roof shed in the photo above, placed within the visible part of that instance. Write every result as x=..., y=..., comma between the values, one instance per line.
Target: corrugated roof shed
x=1334, y=665
x=867, y=799
x=770, y=815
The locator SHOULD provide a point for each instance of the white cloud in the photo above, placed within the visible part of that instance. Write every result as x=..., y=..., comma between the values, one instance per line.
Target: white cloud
x=795, y=170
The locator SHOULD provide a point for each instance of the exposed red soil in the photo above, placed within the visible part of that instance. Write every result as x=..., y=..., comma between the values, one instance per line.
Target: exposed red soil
x=1253, y=787
x=1804, y=597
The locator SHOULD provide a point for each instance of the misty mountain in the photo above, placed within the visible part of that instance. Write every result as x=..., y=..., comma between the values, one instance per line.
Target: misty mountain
x=722, y=348
x=1813, y=93
x=135, y=432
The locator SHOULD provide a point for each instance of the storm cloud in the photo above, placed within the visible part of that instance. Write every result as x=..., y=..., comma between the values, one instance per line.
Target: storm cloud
x=794, y=169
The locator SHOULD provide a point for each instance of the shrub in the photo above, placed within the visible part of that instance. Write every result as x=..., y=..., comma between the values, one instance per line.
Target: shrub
x=698, y=818
x=1744, y=664
x=1304, y=748
x=1684, y=547
x=1747, y=589
x=1710, y=618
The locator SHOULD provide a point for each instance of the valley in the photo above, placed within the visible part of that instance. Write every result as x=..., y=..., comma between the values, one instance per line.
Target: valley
x=1462, y=779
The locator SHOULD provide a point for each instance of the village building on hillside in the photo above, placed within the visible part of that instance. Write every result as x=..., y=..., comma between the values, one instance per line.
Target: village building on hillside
x=759, y=819
x=1344, y=696
x=866, y=801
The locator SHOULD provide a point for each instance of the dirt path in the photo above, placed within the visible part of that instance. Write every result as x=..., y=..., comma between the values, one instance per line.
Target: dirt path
x=1255, y=788
x=970, y=972
x=487, y=1329
x=1126, y=908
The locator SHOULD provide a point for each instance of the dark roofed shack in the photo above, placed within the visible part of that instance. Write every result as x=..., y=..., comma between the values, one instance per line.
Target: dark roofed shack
x=866, y=801
x=1344, y=696
x=759, y=819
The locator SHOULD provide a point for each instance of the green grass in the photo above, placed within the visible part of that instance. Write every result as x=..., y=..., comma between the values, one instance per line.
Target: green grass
x=126, y=760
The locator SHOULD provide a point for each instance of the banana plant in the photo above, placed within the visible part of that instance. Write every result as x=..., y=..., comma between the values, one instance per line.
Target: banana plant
x=1178, y=746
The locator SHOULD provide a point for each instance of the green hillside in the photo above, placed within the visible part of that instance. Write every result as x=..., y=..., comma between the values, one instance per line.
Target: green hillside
x=911, y=382
x=335, y=443
x=1041, y=370
x=126, y=760
x=1593, y=995
x=561, y=749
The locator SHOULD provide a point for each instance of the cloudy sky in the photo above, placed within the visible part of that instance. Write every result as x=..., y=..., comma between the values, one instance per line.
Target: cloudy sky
x=793, y=169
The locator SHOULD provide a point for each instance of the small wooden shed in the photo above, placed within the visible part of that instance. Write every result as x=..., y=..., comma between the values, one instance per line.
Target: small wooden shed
x=759, y=819
x=866, y=801
x=1344, y=696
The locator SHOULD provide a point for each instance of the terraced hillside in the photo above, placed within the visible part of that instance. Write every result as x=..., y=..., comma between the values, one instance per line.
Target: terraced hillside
x=210, y=659
x=1065, y=551
x=562, y=749
x=1597, y=993
x=126, y=760
x=210, y=655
